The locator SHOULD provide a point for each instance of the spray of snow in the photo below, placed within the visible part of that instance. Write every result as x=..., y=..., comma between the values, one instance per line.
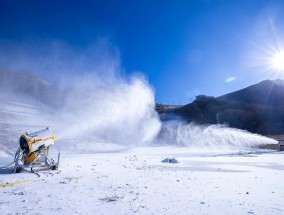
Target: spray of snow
x=117, y=111
x=209, y=137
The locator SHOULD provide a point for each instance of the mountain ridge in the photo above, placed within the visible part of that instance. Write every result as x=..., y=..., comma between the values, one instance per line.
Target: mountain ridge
x=258, y=108
x=266, y=92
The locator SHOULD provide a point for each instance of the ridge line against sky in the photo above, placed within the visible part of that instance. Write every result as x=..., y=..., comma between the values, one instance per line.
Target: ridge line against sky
x=184, y=48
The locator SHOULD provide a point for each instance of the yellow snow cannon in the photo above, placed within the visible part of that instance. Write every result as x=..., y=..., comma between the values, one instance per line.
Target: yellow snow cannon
x=33, y=151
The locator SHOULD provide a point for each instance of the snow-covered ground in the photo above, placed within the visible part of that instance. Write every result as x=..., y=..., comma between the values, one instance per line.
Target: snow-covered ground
x=135, y=181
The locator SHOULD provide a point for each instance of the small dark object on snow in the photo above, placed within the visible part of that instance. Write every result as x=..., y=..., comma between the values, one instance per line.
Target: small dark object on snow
x=170, y=160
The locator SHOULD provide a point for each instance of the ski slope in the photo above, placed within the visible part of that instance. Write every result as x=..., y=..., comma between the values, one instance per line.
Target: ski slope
x=135, y=181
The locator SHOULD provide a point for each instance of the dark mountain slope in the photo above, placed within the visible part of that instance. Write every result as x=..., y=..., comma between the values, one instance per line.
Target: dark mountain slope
x=258, y=109
x=266, y=93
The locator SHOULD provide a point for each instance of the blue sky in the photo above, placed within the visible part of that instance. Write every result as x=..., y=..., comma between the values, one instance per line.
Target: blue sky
x=184, y=48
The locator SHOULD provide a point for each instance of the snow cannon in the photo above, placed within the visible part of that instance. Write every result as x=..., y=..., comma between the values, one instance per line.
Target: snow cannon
x=33, y=151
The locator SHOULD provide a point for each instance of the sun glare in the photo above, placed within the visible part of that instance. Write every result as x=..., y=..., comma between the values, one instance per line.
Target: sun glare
x=277, y=61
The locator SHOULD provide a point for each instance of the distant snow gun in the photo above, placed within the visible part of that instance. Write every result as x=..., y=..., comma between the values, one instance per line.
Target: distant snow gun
x=33, y=151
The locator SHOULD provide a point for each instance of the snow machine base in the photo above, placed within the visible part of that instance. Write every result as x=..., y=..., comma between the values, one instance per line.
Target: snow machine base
x=37, y=165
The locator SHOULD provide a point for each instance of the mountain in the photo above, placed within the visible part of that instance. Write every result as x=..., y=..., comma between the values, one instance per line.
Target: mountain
x=28, y=85
x=270, y=93
x=258, y=108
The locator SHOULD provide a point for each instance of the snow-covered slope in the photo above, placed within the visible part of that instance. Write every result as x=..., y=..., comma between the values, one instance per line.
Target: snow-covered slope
x=18, y=115
x=137, y=182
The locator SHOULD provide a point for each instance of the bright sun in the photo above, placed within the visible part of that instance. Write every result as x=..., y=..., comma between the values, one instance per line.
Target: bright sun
x=277, y=61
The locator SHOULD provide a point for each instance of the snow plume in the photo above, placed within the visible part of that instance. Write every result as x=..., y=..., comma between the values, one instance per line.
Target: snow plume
x=96, y=100
x=216, y=137
x=116, y=110
x=99, y=103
